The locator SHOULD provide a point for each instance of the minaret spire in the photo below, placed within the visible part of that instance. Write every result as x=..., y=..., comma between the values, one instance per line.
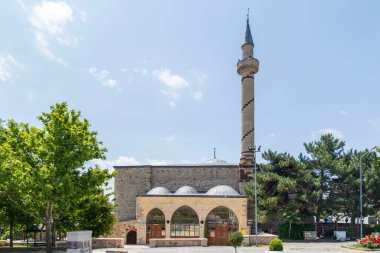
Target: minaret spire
x=248, y=35
x=247, y=67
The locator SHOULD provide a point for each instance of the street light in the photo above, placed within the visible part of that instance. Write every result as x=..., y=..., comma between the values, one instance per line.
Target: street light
x=255, y=169
x=361, y=189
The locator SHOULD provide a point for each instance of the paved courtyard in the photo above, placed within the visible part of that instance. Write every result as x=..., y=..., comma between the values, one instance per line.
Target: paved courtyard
x=320, y=247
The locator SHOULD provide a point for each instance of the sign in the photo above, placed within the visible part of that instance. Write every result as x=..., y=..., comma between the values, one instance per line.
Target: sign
x=243, y=231
x=79, y=242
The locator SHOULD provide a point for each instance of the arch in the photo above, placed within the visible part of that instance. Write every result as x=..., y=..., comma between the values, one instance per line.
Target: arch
x=184, y=223
x=131, y=237
x=220, y=222
x=155, y=224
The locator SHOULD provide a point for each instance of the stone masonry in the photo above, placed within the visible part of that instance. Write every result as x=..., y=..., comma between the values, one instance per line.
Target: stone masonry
x=202, y=205
x=133, y=181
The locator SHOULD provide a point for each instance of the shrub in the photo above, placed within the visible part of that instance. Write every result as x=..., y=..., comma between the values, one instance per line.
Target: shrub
x=276, y=245
x=236, y=239
x=376, y=228
x=296, y=232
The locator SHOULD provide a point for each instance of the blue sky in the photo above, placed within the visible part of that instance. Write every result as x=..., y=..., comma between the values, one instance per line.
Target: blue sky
x=158, y=81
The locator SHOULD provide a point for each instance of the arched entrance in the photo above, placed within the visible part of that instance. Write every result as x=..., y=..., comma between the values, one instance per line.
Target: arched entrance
x=184, y=223
x=155, y=224
x=220, y=222
x=132, y=237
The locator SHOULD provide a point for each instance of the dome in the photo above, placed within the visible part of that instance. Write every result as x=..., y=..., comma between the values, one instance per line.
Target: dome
x=159, y=191
x=215, y=161
x=222, y=190
x=186, y=190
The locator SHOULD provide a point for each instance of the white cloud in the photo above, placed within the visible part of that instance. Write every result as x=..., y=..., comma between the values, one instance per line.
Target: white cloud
x=144, y=71
x=123, y=70
x=170, y=138
x=197, y=95
x=120, y=161
x=83, y=16
x=102, y=76
x=173, y=84
x=126, y=161
x=158, y=162
x=51, y=16
x=49, y=20
x=169, y=79
x=8, y=66
x=272, y=135
x=185, y=161
x=336, y=133
x=42, y=44
x=343, y=112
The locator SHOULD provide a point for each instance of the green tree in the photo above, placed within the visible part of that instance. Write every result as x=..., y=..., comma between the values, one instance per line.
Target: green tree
x=49, y=168
x=345, y=187
x=97, y=214
x=371, y=179
x=283, y=188
x=14, y=174
x=322, y=158
x=66, y=145
x=236, y=239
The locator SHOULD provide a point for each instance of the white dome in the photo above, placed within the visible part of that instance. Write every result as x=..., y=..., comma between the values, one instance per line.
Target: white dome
x=159, y=191
x=215, y=161
x=222, y=190
x=186, y=190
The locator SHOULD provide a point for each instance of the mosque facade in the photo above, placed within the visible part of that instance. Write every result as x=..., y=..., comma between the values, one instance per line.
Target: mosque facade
x=192, y=201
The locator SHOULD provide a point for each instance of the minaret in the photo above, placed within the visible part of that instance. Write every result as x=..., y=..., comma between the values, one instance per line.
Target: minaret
x=247, y=67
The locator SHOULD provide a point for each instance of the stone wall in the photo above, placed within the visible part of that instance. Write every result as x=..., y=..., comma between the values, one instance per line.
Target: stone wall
x=202, y=205
x=129, y=183
x=138, y=180
x=121, y=229
x=103, y=243
x=262, y=238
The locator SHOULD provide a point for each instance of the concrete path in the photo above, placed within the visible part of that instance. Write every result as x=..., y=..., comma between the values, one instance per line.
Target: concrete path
x=320, y=247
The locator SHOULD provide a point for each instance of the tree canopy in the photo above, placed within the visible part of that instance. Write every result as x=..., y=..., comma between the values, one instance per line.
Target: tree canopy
x=48, y=173
x=324, y=181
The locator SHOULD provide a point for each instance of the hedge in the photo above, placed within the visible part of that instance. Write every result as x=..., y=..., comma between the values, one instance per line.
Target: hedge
x=297, y=231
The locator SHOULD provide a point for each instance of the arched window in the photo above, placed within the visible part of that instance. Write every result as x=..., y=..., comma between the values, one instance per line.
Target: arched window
x=220, y=222
x=184, y=223
x=155, y=224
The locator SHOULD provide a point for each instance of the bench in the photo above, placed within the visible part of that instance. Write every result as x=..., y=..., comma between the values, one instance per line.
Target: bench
x=177, y=242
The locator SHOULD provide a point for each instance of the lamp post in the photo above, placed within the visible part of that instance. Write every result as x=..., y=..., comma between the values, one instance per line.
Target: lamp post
x=361, y=189
x=255, y=151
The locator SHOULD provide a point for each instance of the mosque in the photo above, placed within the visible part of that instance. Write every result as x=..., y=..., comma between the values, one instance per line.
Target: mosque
x=192, y=201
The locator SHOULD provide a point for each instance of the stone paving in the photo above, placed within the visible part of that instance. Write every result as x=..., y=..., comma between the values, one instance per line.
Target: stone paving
x=312, y=247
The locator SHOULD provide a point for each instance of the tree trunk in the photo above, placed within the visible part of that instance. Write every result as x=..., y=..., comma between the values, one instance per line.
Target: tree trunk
x=353, y=218
x=53, y=234
x=48, y=222
x=11, y=225
x=318, y=217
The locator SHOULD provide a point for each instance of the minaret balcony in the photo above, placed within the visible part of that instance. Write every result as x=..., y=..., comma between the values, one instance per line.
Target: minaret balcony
x=248, y=64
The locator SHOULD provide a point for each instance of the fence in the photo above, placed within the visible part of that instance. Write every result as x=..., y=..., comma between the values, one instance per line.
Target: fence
x=326, y=230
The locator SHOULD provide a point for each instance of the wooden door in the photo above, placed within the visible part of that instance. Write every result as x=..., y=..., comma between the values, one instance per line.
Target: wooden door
x=155, y=231
x=221, y=235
